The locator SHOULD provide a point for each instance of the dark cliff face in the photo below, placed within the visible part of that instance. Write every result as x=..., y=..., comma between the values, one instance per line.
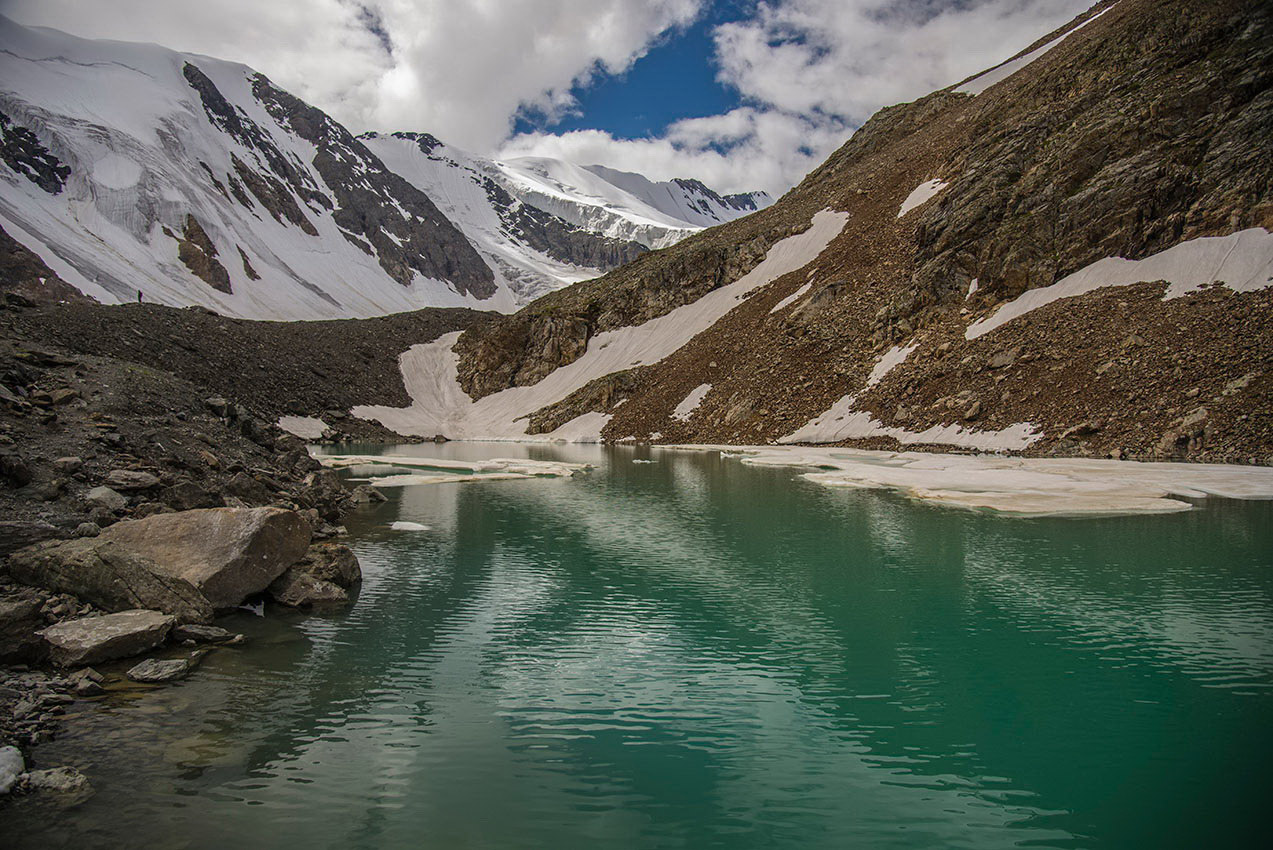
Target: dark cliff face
x=365, y=196
x=367, y=201
x=1145, y=128
x=23, y=152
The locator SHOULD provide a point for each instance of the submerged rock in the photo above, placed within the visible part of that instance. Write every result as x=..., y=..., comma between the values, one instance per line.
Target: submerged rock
x=203, y=634
x=62, y=780
x=94, y=639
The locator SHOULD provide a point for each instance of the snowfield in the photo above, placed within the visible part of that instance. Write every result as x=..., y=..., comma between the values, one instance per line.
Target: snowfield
x=1242, y=261
x=440, y=406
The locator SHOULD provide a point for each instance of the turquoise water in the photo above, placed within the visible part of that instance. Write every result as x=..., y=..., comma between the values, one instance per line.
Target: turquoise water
x=695, y=653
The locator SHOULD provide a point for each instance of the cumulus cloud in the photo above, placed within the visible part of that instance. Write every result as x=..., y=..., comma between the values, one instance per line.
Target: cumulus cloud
x=811, y=71
x=807, y=72
x=461, y=69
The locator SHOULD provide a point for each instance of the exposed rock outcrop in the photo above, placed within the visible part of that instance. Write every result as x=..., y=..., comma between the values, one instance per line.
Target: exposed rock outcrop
x=227, y=554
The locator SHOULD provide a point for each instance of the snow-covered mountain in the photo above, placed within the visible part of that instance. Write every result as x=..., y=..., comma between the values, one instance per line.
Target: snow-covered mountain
x=543, y=222
x=131, y=168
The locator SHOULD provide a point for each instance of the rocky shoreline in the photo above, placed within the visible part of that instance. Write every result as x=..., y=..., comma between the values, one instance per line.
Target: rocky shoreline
x=135, y=507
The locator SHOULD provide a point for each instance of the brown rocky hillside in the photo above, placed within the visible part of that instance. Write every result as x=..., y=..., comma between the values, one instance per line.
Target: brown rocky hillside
x=1148, y=127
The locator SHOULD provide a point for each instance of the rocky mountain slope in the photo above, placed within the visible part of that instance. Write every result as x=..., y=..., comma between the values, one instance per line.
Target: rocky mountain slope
x=131, y=168
x=1068, y=254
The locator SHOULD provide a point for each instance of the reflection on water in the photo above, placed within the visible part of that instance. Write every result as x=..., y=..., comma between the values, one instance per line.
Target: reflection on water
x=696, y=653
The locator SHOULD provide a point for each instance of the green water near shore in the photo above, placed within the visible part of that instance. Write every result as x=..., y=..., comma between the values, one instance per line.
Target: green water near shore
x=696, y=653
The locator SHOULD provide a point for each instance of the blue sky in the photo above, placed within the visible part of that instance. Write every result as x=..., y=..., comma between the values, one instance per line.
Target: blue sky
x=675, y=79
x=741, y=94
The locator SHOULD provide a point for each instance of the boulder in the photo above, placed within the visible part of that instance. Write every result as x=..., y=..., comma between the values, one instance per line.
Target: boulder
x=109, y=575
x=105, y=497
x=333, y=562
x=245, y=487
x=365, y=494
x=299, y=589
x=131, y=479
x=227, y=554
x=153, y=670
x=188, y=496
x=20, y=617
x=91, y=640
x=11, y=766
x=68, y=465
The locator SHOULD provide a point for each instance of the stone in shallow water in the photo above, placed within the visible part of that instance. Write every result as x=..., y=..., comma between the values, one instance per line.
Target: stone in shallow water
x=299, y=589
x=94, y=639
x=63, y=780
x=203, y=634
x=11, y=767
x=154, y=670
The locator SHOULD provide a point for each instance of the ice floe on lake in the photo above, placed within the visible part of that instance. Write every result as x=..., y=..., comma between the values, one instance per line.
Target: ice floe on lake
x=1020, y=486
x=401, y=471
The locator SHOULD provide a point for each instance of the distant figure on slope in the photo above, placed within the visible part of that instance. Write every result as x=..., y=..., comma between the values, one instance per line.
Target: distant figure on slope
x=139, y=296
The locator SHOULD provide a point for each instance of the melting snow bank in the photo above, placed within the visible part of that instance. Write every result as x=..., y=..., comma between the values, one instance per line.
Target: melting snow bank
x=1021, y=486
x=843, y=422
x=1242, y=261
x=439, y=406
x=398, y=471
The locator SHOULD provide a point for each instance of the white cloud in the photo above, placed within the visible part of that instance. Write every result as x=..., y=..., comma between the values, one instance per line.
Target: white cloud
x=808, y=71
x=460, y=69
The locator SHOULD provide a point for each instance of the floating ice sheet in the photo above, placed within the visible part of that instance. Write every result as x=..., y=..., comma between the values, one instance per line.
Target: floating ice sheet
x=1019, y=486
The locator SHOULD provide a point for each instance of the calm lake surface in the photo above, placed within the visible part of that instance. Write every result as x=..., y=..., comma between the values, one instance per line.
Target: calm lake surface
x=695, y=653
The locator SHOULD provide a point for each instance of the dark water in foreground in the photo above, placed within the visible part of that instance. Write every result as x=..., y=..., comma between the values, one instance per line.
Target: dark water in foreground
x=694, y=653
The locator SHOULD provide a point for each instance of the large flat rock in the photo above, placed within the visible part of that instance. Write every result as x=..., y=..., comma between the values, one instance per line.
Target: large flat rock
x=109, y=575
x=227, y=554
x=92, y=640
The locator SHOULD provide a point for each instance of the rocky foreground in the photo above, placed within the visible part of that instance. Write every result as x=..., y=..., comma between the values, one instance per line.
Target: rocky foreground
x=137, y=502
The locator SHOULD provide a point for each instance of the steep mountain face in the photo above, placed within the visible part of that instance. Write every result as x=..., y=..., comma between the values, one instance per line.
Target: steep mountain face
x=128, y=169
x=134, y=168
x=1069, y=254
x=541, y=223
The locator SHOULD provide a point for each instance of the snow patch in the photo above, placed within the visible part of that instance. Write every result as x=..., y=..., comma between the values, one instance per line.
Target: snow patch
x=895, y=356
x=1243, y=261
x=795, y=296
x=844, y=422
x=691, y=402
x=921, y=194
x=999, y=73
x=440, y=406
